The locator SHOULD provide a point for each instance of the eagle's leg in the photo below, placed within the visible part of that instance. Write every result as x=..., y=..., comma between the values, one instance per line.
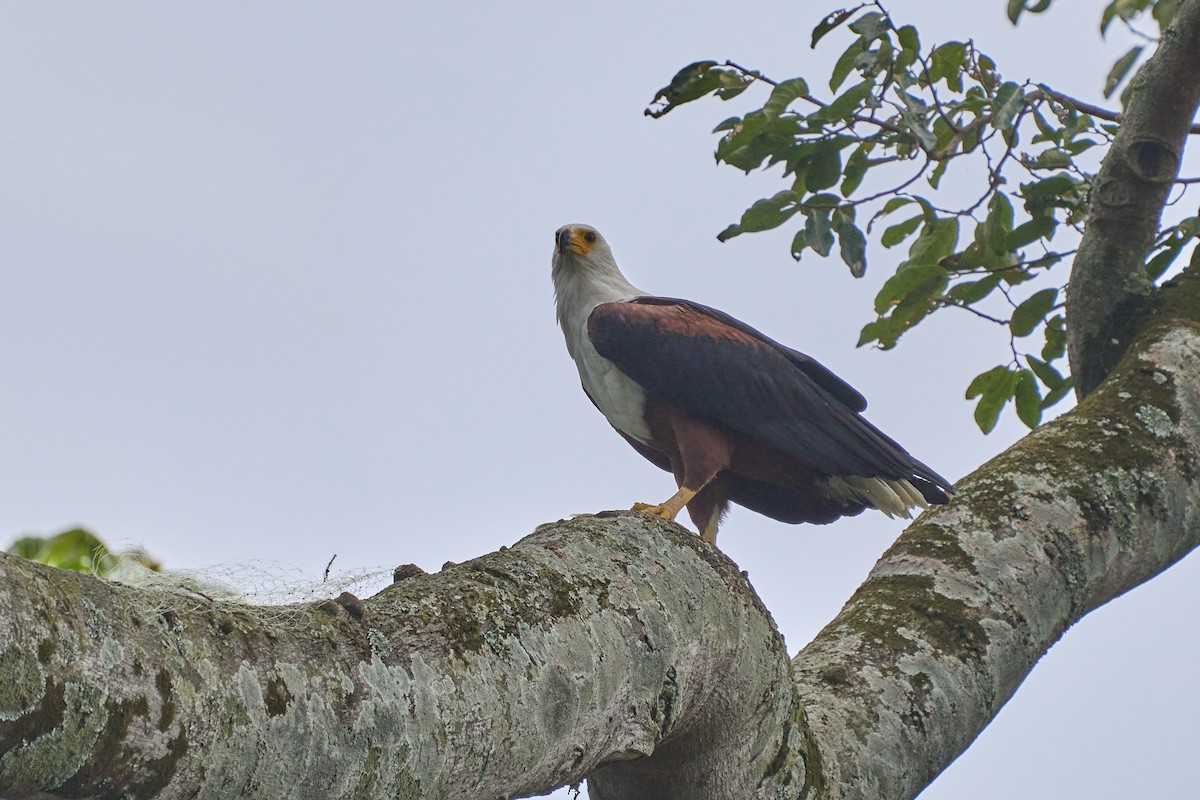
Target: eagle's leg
x=708, y=507
x=671, y=507
x=702, y=451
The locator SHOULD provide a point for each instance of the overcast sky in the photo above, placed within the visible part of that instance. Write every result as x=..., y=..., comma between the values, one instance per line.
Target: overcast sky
x=274, y=285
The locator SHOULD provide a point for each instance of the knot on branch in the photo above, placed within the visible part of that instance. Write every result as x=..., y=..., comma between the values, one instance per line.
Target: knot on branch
x=1152, y=159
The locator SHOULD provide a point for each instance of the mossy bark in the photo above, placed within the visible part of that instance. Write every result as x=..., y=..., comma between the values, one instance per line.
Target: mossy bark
x=593, y=641
x=957, y=612
x=617, y=647
x=621, y=648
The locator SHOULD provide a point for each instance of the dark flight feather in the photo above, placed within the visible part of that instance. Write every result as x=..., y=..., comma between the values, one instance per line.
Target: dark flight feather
x=716, y=367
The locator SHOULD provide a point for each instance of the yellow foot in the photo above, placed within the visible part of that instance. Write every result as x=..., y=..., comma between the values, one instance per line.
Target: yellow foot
x=661, y=510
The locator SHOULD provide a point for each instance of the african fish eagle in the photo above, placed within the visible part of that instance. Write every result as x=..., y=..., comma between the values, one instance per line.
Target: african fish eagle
x=736, y=416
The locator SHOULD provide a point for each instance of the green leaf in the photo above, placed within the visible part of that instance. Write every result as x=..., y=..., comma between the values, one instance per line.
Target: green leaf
x=78, y=550
x=825, y=167
x=829, y=23
x=730, y=232
x=728, y=125
x=1164, y=13
x=994, y=389
x=907, y=280
x=1008, y=101
x=1047, y=374
x=846, y=104
x=909, y=40
x=856, y=168
x=1120, y=69
x=852, y=243
x=897, y=233
x=1110, y=13
x=1029, y=314
x=1162, y=261
x=818, y=230
x=885, y=330
x=1056, y=339
x=799, y=242
x=871, y=26
x=1046, y=131
x=1052, y=158
x=998, y=224
x=969, y=292
x=1077, y=146
x=946, y=63
x=756, y=139
x=938, y=240
x=1058, y=191
x=783, y=95
x=1058, y=394
x=1015, y=7
x=913, y=118
x=770, y=212
x=844, y=64
x=1029, y=400
x=690, y=83
x=888, y=207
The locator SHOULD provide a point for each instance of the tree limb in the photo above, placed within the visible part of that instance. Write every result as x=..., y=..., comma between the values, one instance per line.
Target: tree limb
x=958, y=611
x=618, y=647
x=1108, y=281
x=590, y=641
x=1090, y=109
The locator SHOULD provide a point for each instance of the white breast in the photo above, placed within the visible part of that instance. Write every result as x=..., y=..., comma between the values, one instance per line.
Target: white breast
x=621, y=400
x=581, y=284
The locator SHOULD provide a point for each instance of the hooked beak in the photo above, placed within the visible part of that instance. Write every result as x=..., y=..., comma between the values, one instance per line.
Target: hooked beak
x=564, y=240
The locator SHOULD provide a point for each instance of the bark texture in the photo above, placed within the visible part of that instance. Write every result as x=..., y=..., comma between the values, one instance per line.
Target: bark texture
x=957, y=612
x=1108, y=282
x=622, y=648
x=591, y=641
x=617, y=647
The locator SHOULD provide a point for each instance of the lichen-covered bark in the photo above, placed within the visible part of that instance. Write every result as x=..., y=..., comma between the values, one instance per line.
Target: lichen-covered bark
x=1108, y=282
x=618, y=647
x=966, y=601
x=590, y=641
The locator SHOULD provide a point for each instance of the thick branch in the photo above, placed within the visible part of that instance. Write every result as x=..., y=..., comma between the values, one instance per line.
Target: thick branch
x=958, y=611
x=619, y=646
x=1108, y=281
x=589, y=642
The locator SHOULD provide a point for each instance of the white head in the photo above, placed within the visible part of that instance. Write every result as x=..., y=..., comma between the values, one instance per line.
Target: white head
x=581, y=247
x=585, y=273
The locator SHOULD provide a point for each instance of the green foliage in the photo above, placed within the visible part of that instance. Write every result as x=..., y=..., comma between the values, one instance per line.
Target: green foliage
x=900, y=118
x=79, y=550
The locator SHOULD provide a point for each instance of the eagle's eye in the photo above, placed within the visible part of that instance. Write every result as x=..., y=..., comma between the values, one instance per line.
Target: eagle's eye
x=589, y=237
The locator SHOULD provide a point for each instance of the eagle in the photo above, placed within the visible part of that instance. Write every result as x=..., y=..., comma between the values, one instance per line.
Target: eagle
x=734, y=415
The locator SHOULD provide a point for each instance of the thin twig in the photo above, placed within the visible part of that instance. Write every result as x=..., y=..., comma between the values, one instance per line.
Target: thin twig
x=754, y=74
x=1087, y=108
x=951, y=304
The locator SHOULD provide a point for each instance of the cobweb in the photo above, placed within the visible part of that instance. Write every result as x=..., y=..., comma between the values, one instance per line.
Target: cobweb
x=272, y=592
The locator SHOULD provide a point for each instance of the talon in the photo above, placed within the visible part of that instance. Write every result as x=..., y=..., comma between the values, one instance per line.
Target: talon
x=659, y=511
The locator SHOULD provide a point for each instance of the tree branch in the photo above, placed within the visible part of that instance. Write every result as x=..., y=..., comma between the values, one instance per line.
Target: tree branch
x=957, y=612
x=1108, y=281
x=1089, y=108
x=618, y=646
x=593, y=641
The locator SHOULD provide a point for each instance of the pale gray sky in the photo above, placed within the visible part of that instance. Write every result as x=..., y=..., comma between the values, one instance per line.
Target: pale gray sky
x=274, y=284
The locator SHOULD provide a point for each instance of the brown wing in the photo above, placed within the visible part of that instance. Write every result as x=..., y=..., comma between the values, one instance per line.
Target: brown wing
x=716, y=367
